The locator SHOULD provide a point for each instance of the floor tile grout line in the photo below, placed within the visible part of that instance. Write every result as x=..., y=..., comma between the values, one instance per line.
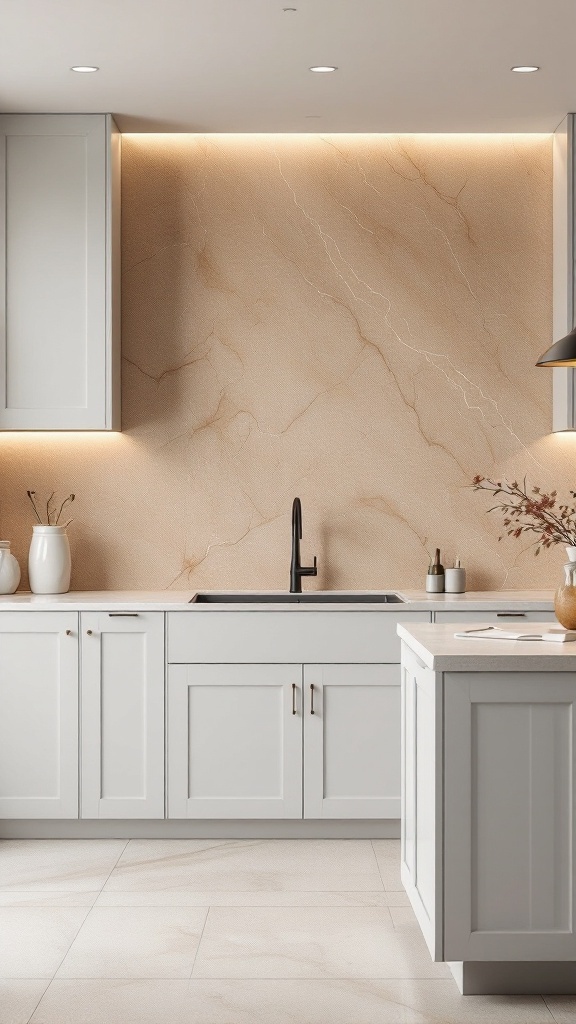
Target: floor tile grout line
x=115, y=865
x=90, y=909
x=353, y=979
x=50, y=980
x=119, y=893
x=550, y=1010
x=44, y=991
x=377, y=865
x=198, y=946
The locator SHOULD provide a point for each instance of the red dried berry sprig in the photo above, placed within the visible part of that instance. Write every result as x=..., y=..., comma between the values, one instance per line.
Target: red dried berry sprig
x=534, y=512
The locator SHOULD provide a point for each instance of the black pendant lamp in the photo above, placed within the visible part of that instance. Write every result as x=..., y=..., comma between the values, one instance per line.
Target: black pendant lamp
x=561, y=353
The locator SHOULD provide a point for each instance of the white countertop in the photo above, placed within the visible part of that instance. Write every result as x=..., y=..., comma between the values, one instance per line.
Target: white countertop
x=179, y=600
x=437, y=647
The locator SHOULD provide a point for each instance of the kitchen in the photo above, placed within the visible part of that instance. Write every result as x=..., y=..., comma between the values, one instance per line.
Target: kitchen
x=334, y=286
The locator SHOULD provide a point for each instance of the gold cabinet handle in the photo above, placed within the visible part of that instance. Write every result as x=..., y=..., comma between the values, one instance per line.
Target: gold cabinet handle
x=312, y=712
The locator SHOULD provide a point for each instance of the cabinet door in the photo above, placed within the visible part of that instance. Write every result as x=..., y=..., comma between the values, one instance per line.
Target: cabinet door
x=235, y=741
x=59, y=231
x=510, y=843
x=122, y=715
x=422, y=797
x=38, y=715
x=352, y=741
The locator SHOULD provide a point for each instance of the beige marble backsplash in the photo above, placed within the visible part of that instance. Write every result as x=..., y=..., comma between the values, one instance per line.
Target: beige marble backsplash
x=351, y=319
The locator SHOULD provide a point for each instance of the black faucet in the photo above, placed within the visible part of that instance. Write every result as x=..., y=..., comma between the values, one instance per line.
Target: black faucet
x=297, y=571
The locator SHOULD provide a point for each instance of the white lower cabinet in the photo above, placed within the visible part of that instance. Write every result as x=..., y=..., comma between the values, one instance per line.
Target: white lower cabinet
x=39, y=715
x=235, y=741
x=245, y=740
x=351, y=741
x=509, y=828
x=422, y=798
x=488, y=825
x=122, y=715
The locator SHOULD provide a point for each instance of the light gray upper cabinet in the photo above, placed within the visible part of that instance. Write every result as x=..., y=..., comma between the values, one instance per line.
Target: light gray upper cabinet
x=59, y=272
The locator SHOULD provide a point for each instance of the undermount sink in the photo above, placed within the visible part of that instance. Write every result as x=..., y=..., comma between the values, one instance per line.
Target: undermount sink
x=354, y=597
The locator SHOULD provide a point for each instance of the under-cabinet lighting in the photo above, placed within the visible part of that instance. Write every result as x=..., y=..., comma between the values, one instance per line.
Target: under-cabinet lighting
x=525, y=69
x=323, y=69
x=85, y=69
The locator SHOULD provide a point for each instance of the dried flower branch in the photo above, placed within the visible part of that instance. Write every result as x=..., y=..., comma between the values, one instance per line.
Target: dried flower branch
x=67, y=501
x=534, y=512
x=50, y=511
x=32, y=496
x=48, y=507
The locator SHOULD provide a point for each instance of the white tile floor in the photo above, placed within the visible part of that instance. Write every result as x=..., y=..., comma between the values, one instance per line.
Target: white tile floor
x=225, y=932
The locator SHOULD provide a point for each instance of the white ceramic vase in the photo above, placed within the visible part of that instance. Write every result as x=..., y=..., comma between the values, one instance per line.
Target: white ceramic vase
x=49, y=561
x=9, y=569
x=571, y=552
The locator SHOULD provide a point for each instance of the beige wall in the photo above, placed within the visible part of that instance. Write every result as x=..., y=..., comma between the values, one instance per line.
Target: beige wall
x=353, y=319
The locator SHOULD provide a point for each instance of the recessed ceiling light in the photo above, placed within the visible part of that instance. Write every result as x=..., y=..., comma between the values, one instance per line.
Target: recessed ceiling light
x=323, y=69
x=84, y=69
x=525, y=69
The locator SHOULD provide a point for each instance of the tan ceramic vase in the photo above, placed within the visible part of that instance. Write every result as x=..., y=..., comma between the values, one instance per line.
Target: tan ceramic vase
x=565, y=599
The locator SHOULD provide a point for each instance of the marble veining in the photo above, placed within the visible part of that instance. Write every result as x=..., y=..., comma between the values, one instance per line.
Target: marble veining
x=351, y=318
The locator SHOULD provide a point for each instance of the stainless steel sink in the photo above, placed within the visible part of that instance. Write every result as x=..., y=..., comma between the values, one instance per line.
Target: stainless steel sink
x=354, y=597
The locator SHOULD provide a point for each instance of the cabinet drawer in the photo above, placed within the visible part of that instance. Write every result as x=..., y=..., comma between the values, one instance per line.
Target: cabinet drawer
x=289, y=637
x=498, y=618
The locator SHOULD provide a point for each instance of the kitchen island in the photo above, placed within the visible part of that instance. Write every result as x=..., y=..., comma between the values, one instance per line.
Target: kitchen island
x=488, y=822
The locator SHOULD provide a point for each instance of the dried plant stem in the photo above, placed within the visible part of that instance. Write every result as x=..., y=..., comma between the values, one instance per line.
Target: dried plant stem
x=66, y=501
x=534, y=512
x=32, y=495
x=48, y=507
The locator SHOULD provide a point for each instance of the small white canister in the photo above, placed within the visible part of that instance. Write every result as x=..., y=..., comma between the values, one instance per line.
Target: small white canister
x=455, y=579
x=49, y=561
x=9, y=569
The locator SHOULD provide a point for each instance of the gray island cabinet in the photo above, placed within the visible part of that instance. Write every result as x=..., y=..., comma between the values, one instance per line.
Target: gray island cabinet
x=488, y=823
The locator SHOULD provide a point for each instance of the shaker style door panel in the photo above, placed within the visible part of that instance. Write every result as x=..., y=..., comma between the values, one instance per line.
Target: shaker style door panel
x=509, y=816
x=58, y=228
x=122, y=715
x=235, y=741
x=421, y=845
x=38, y=715
x=351, y=741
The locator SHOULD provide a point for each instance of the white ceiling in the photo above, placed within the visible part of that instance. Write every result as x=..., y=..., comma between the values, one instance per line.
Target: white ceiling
x=242, y=65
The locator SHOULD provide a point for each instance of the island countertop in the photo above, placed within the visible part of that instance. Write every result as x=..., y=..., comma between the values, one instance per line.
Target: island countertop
x=438, y=649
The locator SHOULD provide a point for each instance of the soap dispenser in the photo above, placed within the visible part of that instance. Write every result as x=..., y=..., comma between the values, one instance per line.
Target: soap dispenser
x=435, y=575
